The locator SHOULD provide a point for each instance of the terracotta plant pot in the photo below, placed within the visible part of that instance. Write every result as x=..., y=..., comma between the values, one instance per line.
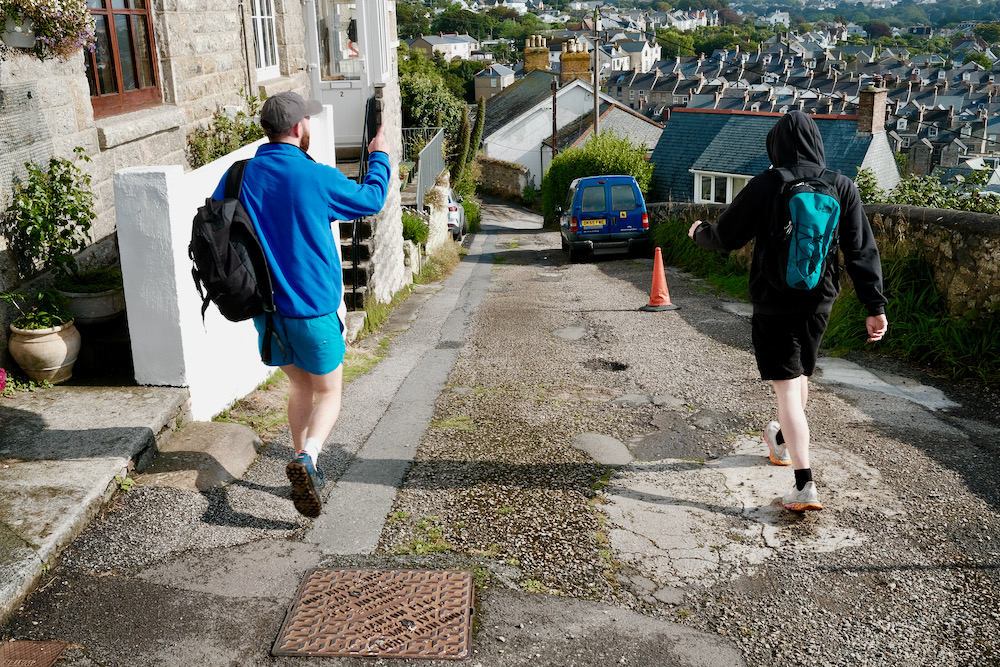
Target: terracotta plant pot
x=96, y=307
x=46, y=354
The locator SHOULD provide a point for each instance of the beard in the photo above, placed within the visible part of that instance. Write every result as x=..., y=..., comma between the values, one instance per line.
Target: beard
x=304, y=144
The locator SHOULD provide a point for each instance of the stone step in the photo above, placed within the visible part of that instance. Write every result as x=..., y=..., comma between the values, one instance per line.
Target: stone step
x=202, y=456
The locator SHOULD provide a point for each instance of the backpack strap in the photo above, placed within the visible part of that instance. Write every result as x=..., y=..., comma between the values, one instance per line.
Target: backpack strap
x=234, y=180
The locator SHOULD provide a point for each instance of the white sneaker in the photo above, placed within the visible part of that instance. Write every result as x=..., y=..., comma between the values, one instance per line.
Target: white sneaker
x=777, y=453
x=800, y=501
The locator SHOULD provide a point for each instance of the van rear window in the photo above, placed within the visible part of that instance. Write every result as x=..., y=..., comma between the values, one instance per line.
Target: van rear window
x=623, y=197
x=593, y=200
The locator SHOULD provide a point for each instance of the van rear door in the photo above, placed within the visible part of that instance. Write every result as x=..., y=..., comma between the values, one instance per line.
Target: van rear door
x=624, y=207
x=593, y=208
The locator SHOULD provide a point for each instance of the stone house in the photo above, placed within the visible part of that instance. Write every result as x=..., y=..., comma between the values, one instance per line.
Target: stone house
x=451, y=46
x=186, y=59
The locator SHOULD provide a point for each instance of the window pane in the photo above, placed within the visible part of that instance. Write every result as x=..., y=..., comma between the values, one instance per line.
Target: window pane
x=95, y=4
x=738, y=185
x=129, y=79
x=706, y=188
x=145, y=58
x=622, y=198
x=720, y=189
x=103, y=81
x=337, y=25
x=118, y=4
x=270, y=57
x=256, y=44
x=593, y=200
x=138, y=4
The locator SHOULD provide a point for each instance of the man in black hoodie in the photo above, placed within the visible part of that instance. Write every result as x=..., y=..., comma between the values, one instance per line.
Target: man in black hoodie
x=788, y=324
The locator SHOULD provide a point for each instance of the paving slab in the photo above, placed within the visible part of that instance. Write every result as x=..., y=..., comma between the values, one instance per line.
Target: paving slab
x=61, y=450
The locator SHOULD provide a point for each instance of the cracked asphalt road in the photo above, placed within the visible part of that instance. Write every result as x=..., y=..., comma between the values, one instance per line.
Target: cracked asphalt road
x=680, y=556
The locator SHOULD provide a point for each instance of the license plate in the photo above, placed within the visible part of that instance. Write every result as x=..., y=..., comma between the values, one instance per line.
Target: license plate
x=593, y=223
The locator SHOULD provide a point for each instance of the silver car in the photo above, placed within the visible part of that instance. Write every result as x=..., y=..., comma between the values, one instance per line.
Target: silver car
x=456, y=216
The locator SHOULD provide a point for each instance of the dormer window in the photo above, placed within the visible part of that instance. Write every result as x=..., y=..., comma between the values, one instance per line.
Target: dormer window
x=967, y=77
x=966, y=131
x=932, y=131
x=755, y=106
x=942, y=75
x=901, y=125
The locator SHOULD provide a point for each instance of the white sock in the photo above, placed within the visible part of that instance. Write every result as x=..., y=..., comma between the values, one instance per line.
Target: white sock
x=313, y=447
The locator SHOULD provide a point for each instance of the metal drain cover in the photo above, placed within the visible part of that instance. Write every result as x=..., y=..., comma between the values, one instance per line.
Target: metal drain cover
x=30, y=654
x=384, y=613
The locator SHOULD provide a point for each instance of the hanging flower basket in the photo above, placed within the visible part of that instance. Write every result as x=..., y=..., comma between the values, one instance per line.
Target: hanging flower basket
x=59, y=28
x=19, y=33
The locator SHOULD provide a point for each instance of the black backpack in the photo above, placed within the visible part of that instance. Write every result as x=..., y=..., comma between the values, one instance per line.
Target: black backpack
x=804, y=230
x=230, y=268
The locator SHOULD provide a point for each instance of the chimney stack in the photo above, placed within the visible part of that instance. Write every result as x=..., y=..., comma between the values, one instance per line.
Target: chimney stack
x=536, y=54
x=871, y=110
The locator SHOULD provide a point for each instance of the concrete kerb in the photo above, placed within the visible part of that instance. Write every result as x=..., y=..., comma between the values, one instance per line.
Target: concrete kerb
x=65, y=452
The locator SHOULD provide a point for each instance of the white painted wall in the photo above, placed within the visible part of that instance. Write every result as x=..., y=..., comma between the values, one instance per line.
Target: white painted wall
x=520, y=140
x=217, y=360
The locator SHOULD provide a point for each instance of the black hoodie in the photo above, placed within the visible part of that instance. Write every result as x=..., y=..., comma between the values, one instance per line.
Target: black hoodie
x=795, y=142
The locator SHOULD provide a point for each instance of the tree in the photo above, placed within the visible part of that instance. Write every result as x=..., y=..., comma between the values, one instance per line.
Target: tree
x=989, y=32
x=411, y=20
x=464, y=22
x=979, y=59
x=877, y=29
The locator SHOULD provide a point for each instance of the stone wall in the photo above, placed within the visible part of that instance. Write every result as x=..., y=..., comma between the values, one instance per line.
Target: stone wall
x=963, y=249
x=204, y=59
x=389, y=271
x=503, y=179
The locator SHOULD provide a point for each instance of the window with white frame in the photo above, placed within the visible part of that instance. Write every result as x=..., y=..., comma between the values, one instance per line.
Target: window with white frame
x=901, y=124
x=717, y=188
x=966, y=131
x=905, y=141
x=265, y=39
x=932, y=131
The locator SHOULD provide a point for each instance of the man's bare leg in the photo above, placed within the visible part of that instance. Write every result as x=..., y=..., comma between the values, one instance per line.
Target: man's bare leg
x=313, y=404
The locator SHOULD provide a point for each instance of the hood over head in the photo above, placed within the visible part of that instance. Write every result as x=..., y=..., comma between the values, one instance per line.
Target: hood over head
x=795, y=140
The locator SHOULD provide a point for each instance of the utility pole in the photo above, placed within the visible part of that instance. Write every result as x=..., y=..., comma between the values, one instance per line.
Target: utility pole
x=555, y=127
x=597, y=70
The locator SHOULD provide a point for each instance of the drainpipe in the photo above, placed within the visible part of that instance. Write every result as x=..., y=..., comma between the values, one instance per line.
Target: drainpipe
x=246, y=51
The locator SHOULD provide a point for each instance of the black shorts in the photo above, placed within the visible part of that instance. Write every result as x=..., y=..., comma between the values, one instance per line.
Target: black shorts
x=786, y=346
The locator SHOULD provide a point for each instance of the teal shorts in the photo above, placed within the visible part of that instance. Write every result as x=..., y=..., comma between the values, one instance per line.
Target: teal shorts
x=314, y=344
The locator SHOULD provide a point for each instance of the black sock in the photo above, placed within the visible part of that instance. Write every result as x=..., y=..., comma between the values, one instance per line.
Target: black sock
x=780, y=439
x=802, y=477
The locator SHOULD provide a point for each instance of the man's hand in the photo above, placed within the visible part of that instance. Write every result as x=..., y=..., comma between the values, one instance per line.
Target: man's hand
x=694, y=226
x=877, y=326
x=378, y=142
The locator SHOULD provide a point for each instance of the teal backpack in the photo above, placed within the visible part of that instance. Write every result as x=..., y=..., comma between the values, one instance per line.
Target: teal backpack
x=805, y=229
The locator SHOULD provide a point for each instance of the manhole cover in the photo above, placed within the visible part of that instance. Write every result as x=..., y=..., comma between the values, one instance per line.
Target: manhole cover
x=389, y=613
x=30, y=654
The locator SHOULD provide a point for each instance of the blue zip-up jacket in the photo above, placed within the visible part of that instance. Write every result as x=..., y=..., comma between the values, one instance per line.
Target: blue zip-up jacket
x=292, y=201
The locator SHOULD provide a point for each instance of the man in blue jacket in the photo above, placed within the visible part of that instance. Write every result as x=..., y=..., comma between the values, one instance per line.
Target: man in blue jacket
x=788, y=324
x=293, y=201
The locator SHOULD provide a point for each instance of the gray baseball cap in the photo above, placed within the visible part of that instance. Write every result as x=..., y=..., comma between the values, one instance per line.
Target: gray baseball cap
x=282, y=111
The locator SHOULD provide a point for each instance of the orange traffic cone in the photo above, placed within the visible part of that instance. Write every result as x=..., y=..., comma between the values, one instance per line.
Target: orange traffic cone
x=659, y=297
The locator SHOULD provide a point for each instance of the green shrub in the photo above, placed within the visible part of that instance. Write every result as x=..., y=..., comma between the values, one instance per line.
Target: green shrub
x=473, y=213
x=225, y=133
x=966, y=195
x=414, y=227
x=606, y=153
x=529, y=196
x=89, y=281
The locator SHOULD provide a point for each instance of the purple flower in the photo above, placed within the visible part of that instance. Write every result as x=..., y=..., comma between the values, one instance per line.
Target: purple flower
x=3, y=379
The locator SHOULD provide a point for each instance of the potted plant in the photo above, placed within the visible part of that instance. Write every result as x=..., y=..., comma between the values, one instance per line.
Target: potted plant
x=48, y=222
x=44, y=341
x=48, y=28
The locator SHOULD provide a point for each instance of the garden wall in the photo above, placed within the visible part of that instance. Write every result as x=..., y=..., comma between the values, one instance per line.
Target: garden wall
x=503, y=179
x=963, y=249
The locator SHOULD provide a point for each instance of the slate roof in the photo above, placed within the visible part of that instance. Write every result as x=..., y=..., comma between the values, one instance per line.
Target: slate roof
x=517, y=98
x=736, y=143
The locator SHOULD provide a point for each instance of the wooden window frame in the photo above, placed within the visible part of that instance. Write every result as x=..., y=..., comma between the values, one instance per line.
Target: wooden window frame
x=124, y=101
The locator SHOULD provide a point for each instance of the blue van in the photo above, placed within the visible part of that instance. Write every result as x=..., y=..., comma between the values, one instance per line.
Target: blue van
x=603, y=215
